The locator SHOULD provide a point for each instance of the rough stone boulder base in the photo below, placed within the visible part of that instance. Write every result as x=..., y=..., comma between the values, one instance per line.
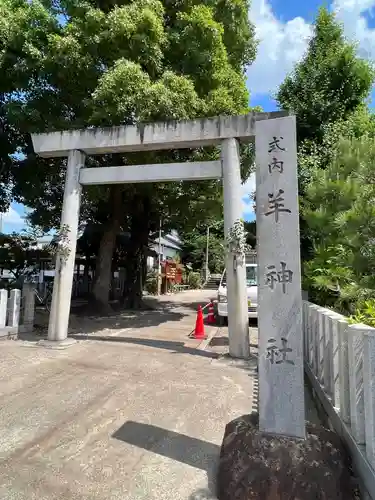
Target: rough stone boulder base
x=254, y=465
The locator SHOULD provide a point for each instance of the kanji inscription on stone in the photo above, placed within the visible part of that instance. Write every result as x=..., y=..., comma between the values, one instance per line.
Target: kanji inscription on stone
x=283, y=276
x=281, y=387
x=277, y=165
x=278, y=355
x=276, y=205
x=274, y=145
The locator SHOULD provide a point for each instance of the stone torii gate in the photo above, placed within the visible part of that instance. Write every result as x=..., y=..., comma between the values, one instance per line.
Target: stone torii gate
x=279, y=286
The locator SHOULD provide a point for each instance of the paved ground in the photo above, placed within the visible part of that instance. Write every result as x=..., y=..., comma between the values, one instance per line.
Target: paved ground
x=135, y=410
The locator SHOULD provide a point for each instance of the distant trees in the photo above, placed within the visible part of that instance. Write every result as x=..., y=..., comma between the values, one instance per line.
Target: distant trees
x=328, y=90
x=74, y=64
x=20, y=255
x=340, y=212
x=327, y=86
x=194, y=246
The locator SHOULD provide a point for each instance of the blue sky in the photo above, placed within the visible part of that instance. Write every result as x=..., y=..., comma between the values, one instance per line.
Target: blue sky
x=283, y=28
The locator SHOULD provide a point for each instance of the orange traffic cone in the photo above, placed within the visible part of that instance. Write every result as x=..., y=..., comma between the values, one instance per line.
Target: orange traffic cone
x=211, y=314
x=199, y=326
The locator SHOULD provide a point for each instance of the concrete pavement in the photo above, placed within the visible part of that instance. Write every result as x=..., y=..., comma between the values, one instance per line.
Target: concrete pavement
x=133, y=411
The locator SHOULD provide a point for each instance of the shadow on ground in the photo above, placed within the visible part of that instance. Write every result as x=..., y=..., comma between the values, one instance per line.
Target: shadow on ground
x=173, y=346
x=179, y=447
x=172, y=304
x=116, y=321
x=82, y=322
x=126, y=319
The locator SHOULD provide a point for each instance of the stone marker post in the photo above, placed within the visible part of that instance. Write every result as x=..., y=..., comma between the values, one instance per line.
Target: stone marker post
x=281, y=387
x=28, y=293
x=3, y=307
x=14, y=307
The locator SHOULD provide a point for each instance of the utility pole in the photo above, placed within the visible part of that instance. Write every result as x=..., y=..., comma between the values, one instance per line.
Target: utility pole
x=159, y=259
x=207, y=244
x=1, y=222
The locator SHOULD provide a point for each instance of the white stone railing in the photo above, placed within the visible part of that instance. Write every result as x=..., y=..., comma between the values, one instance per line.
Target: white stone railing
x=17, y=310
x=340, y=364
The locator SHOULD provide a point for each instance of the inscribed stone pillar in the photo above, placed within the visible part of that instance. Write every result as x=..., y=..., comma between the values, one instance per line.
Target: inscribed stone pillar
x=281, y=387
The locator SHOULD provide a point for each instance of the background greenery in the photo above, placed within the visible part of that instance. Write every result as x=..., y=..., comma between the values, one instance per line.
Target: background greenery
x=78, y=63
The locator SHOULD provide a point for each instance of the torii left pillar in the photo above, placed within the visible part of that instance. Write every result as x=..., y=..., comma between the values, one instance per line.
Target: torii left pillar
x=65, y=259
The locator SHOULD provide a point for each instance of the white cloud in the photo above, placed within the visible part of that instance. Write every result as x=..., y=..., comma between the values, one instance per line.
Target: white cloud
x=351, y=14
x=13, y=218
x=283, y=44
x=249, y=186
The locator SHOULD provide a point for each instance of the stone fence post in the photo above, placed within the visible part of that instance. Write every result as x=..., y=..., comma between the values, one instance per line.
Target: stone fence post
x=14, y=308
x=3, y=307
x=28, y=296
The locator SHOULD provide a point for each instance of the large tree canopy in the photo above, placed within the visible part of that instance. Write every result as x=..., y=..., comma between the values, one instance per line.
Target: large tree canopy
x=79, y=63
x=329, y=83
x=326, y=87
x=339, y=209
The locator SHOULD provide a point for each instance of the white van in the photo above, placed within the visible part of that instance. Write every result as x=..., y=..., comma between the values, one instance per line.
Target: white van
x=252, y=294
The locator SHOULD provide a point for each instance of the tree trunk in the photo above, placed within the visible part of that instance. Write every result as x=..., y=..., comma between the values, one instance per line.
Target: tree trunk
x=144, y=270
x=103, y=268
x=136, y=258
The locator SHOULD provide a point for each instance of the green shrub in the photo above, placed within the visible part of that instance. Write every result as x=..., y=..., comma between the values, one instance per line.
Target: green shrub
x=194, y=280
x=365, y=313
x=151, y=285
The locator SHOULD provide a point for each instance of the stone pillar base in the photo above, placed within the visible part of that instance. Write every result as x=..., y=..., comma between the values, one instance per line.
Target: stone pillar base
x=267, y=467
x=57, y=344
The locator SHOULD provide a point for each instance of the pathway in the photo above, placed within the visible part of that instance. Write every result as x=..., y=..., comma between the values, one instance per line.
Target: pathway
x=135, y=410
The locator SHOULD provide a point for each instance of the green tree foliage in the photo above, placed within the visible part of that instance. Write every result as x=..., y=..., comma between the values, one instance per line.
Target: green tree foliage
x=340, y=213
x=251, y=235
x=79, y=63
x=327, y=86
x=23, y=29
x=329, y=83
x=20, y=255
x=194, y=252
x=194, y=246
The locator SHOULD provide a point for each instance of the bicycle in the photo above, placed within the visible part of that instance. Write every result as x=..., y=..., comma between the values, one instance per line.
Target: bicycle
x=44, y=300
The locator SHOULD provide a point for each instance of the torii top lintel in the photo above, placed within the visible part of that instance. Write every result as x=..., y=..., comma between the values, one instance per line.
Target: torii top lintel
x=151, y=137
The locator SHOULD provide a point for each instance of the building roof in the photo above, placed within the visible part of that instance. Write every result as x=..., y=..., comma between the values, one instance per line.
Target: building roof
x=169, y=240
